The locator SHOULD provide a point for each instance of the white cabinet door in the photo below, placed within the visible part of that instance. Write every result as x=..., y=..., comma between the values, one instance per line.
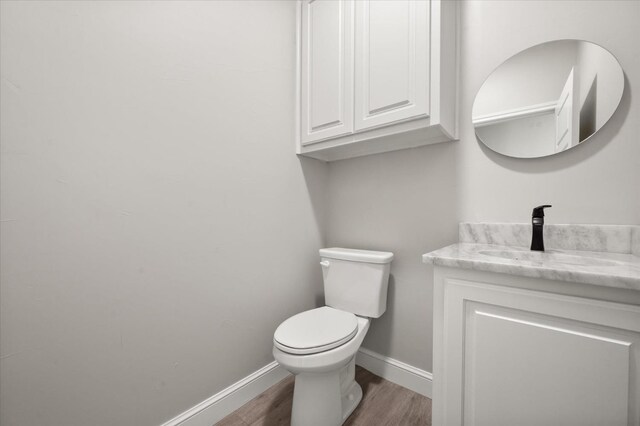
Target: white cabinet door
x=391, y=63
x=326, y=83
x=520, y=357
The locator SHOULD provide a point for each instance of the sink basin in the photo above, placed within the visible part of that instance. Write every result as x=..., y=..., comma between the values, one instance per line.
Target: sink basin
x=548, y=256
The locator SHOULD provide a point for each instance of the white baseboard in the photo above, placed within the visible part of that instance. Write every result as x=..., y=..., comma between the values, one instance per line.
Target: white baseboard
x=395, y=371
x=225, y=402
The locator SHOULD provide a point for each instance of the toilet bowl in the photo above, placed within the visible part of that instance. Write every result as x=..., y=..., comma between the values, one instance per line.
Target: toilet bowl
x=319, y=346
x=326, y=392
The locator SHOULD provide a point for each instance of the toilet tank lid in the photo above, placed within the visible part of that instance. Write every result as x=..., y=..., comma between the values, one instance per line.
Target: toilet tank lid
x=355, y=255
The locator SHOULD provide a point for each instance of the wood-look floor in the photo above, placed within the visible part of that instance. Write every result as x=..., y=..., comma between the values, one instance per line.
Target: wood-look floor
x=383, y=403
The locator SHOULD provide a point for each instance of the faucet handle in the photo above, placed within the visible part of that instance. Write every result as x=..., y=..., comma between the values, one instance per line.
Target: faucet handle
x=539, y=211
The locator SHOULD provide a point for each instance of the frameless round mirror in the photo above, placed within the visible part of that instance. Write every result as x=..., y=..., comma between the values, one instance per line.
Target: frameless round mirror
x=548, y=98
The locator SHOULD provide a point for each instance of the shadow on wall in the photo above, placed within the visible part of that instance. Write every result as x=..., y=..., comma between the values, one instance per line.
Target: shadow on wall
x=316, y=174
x=563, y=160
x=588, y=111
x=384, y=345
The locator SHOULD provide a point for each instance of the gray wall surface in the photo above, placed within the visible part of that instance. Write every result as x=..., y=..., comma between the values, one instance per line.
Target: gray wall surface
x=410, y=201
x=157, y=226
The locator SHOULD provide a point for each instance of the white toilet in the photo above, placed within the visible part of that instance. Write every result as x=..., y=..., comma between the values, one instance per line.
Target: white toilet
x=319, y=346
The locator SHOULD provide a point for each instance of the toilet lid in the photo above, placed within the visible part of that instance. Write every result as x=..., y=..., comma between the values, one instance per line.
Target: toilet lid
x=315, y=331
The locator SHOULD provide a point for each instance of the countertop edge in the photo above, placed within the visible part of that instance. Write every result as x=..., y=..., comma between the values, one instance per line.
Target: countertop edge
x=530, y=271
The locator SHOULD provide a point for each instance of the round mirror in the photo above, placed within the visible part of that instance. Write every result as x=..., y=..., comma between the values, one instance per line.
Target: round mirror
x=548, y=98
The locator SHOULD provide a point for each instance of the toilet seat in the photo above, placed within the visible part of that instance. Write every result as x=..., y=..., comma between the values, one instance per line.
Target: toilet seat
x=316, y=330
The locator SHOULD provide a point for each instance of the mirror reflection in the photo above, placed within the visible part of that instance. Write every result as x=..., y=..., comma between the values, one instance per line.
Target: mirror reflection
x=548, y=98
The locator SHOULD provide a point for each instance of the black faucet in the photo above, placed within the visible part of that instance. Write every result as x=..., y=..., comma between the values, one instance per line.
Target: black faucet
x=537, y=221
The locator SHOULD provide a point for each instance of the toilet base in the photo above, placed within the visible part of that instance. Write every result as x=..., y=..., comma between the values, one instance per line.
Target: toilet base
x=325, y=399
x=351, y=400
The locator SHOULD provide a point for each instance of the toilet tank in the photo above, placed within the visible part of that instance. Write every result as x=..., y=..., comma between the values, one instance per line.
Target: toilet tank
x=356, y=280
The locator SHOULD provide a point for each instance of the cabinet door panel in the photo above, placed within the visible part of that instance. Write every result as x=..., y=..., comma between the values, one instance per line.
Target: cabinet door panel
x=543, y=370
x=391, y=66
x=326, y=91
x=516, y=356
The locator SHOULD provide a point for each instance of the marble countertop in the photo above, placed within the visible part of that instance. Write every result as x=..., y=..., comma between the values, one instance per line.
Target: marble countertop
x=608, y=269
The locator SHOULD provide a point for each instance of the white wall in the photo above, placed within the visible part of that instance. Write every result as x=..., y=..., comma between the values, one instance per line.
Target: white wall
x=156, y=224
x=410, y=201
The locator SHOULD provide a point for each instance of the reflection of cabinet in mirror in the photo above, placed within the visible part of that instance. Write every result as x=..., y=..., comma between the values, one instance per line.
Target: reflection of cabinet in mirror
x=548, y=98
x=375, y=76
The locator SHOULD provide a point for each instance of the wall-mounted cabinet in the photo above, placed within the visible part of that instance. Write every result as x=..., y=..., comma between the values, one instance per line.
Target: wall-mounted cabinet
x=375, y=76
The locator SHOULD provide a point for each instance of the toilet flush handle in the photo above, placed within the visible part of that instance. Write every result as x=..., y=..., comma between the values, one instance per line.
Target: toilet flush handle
x=325, y=263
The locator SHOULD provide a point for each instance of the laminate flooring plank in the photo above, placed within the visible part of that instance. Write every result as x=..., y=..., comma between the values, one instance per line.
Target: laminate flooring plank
x=269, y=405
x=417, y=412
x=232, y=420
x=383, y=406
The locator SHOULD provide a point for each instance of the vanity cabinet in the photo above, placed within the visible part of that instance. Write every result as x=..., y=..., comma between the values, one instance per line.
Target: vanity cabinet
x=511, y=350
x=374, y=76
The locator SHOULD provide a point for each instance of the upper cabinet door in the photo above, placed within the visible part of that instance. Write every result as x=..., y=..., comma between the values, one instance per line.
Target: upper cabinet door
x=326, y=83
x=392, y=61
